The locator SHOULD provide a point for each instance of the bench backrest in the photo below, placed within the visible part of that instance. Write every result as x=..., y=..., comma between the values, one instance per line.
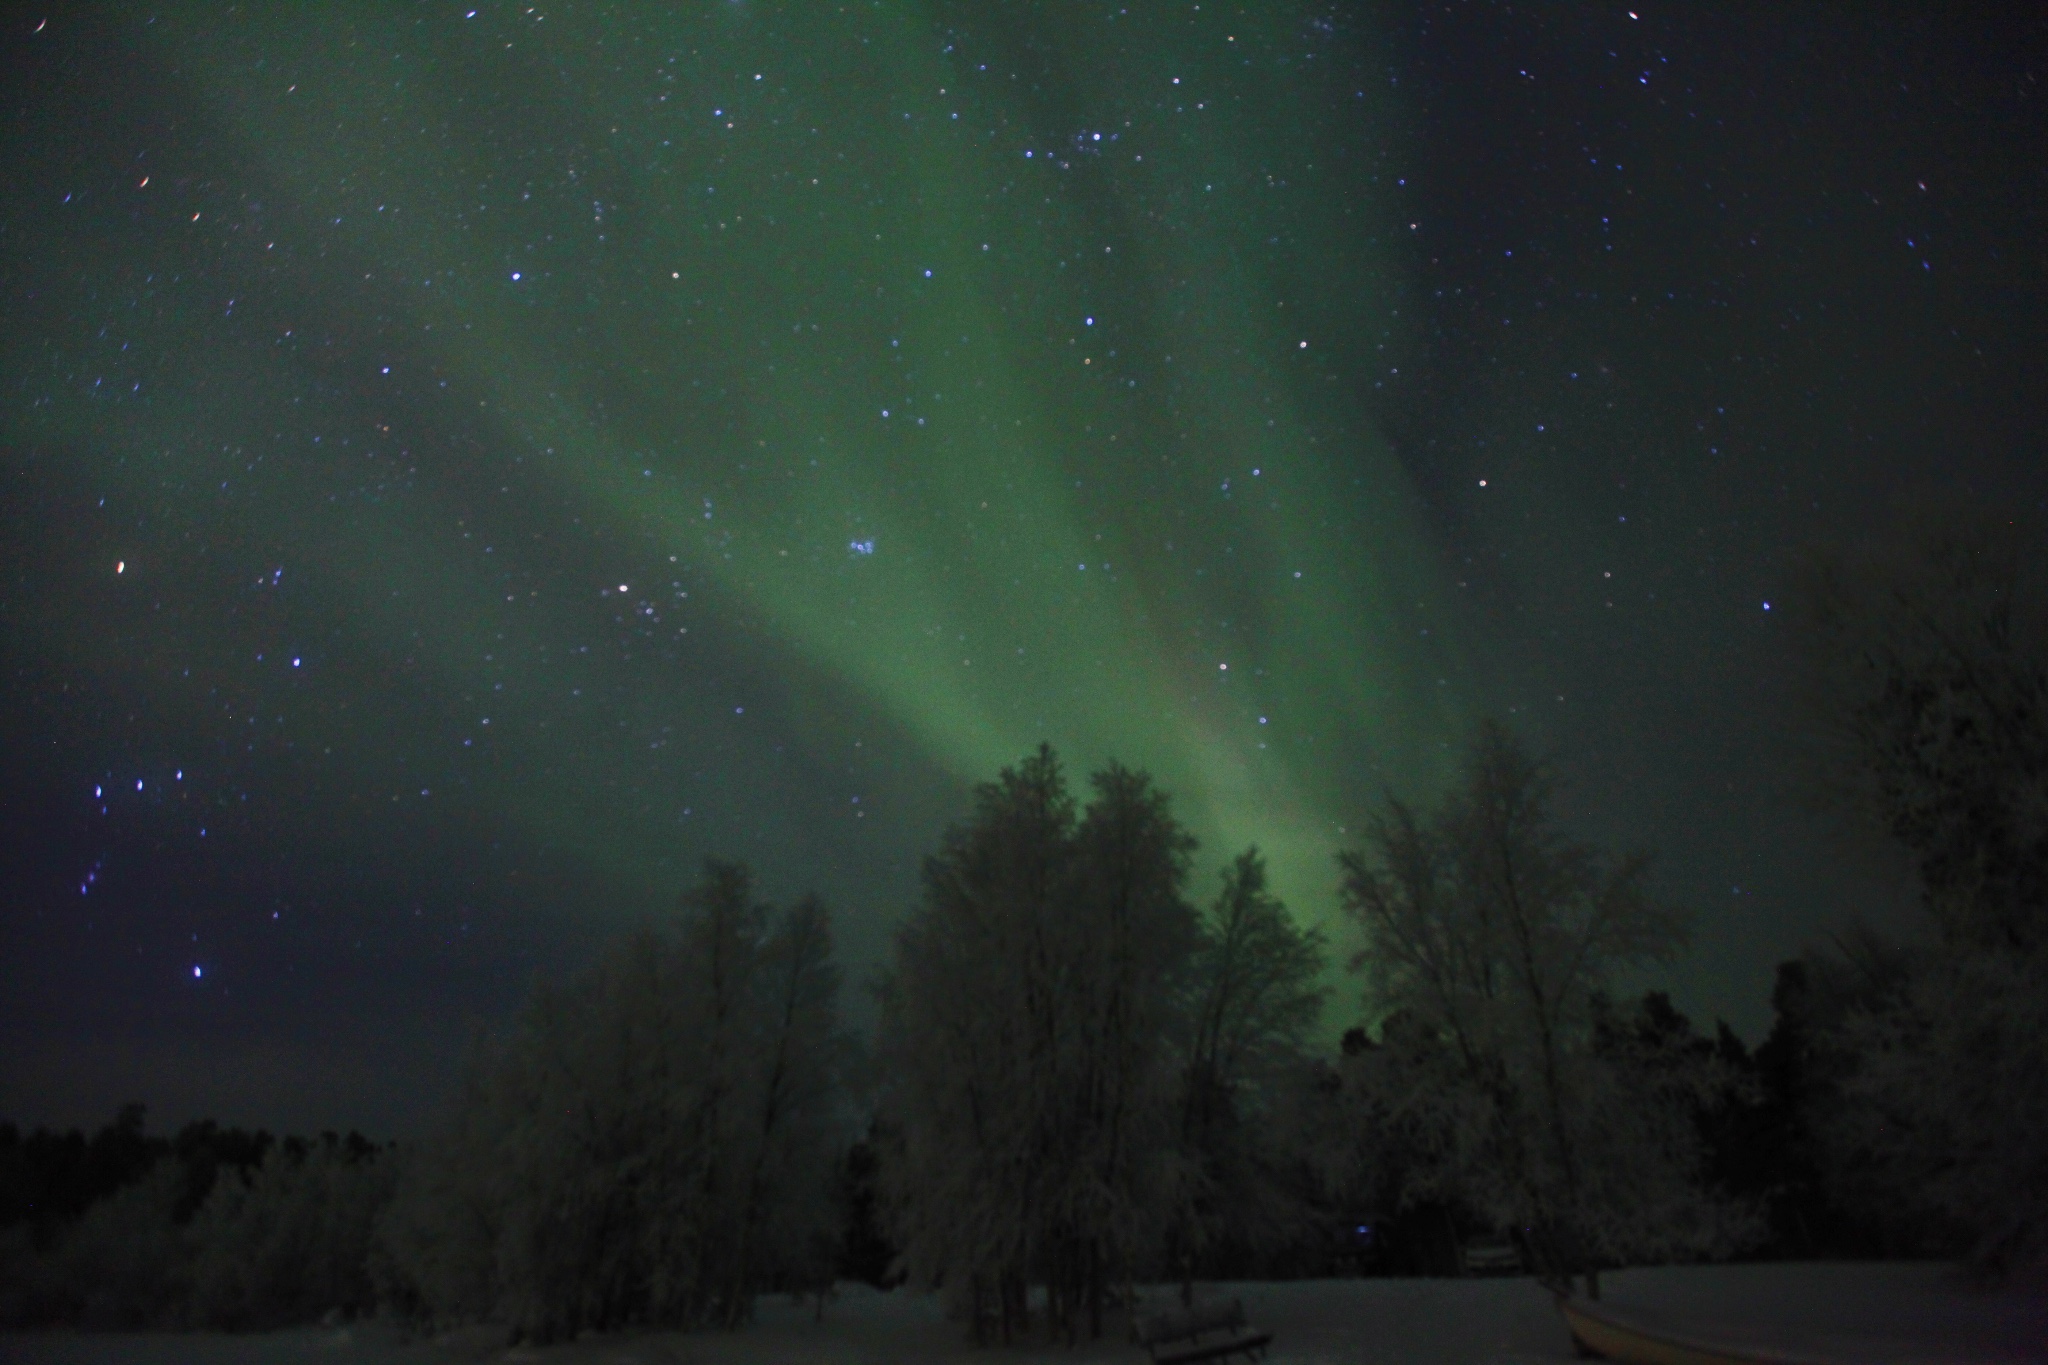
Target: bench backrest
x=1224, y=1315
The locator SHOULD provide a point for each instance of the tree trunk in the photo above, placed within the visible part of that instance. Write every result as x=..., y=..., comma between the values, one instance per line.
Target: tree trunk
x=1095, y=1291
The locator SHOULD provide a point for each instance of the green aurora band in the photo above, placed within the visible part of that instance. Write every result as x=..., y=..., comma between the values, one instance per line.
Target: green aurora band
x=659, y=272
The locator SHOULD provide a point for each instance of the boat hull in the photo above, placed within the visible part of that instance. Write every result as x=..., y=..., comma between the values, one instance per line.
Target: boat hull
x=1598, y=1330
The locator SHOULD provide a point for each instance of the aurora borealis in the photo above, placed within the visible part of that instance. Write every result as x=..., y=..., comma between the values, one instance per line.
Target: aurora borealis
x=465, y=463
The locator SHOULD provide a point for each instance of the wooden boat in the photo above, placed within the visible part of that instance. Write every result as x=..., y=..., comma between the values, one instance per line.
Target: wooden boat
x=1616, y=1334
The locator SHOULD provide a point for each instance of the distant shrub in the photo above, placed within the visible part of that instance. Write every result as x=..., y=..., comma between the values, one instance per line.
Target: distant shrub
x=198, y=1239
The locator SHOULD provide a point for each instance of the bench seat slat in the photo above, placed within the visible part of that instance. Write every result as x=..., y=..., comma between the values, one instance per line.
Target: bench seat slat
x=1211, y=1331
x=1217, y=1350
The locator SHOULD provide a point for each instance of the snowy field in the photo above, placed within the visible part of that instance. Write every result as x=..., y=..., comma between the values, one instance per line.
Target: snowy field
x=1886, y=1314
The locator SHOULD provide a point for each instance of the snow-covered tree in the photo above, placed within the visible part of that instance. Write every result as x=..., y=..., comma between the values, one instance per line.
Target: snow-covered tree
x=1929, y=684
x=655, y=1144
x=1931, y=695
x=285, y=1239
x=966, y=1018
x=290, y=1242
x=436, y=1253
x=1491, y=938
x=1945, y=1101
x=1255, y=997
x=1028, y=1021
x=127, y=1263
x=786, y=1218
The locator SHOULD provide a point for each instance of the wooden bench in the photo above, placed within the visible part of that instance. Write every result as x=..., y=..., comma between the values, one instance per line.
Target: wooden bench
x=1208, y=1331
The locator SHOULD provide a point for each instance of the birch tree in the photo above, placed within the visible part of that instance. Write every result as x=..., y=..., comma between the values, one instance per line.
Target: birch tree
x=1255, y=997
x=1494, y=935
x=1930, y=702
x=655, y=1142
x=1027, y=1028
x=968, y=1036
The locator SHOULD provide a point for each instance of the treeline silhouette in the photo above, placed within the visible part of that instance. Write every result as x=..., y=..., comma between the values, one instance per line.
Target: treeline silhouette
x=142, y=1260
x=1081, y=1082
x=207, y=1227
x=1085, y=1077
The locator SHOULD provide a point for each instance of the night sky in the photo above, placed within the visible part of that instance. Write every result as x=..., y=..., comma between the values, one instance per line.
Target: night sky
x=461, y=464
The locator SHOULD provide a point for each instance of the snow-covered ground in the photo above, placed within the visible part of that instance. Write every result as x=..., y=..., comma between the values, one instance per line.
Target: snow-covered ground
x=1885, y=1314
